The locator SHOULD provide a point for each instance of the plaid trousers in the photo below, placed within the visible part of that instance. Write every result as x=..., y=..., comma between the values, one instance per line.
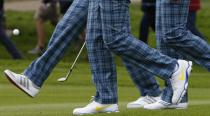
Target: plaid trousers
x=72, y=23
x=175, y=40
x=171, y=23
x=108, y=31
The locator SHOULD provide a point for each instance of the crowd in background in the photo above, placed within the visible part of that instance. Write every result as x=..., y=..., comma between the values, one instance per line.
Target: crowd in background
x=48, y=11
x=148, y=18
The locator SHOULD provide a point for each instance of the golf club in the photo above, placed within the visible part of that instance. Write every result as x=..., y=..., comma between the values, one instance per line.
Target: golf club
x=62, y=79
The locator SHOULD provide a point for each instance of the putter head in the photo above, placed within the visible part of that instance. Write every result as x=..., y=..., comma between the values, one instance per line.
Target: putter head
x=62, y=79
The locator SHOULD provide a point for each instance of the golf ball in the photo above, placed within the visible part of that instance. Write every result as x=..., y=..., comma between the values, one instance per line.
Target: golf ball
x=16, y=32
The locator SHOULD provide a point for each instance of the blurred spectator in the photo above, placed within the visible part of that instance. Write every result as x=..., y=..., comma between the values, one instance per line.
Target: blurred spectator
x=191, y=23
x=5, y=40
x=46, y=11
x=64, y=5
x=148, y=19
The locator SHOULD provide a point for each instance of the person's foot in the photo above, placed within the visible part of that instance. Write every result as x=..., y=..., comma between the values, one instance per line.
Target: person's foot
x=22, y=82
x=165, y=105
x=139, y=103
x=95, y=107
x=36, y=51
x=179, y=80
x=16, y=55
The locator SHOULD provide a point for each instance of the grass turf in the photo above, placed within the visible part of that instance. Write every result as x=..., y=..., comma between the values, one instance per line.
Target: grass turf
x=59, y=99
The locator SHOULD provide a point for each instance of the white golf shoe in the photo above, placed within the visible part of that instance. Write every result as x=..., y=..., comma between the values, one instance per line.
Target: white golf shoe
x=22, y=82
x=179, y=80
x=178, y=106
x=95, y=107
x=165, y=105
x=142, y=101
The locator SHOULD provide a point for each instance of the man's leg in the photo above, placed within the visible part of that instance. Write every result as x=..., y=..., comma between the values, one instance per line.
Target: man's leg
x=163, y=48
x=176, y=35
x=102, y=20
x=144, y=80
x=144, y=28
x=40, y=33
x=56, y=36
x=9, y=45
x=102, y=66
x=146, y=84
x=107, y=75
x=96, y=56
x=41, y=16
x=119, y=40
x=148, y=20
x=100, y=58
x=173, y=34
x=5, y=40
x=191, y=24
x=91, y=47
x=71, y=24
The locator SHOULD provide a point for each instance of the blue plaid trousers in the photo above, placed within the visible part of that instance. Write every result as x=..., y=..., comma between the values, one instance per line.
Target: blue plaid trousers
x=175, y=40
x=172, y=33
x=71, y=24
x=108, y=31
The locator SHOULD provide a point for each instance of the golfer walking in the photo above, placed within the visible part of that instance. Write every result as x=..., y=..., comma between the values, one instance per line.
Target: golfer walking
x=108, y=30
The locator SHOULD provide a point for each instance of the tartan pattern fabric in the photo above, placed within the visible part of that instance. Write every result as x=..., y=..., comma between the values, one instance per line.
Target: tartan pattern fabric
x=108, y=31
x=67, y=29
x=173, y=38
x=144, y=81
x=73, y=21
x=173, y=19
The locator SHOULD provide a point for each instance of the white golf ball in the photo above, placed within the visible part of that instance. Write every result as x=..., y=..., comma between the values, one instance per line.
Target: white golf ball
x=16, y=32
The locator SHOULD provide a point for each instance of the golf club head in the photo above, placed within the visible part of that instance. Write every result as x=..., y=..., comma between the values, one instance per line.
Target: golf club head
x=62, y=79
x=72, y=66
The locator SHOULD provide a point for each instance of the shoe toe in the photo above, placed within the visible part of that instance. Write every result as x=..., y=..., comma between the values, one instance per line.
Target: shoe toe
x=7, y=72
x=76, y=111
x=135, y=105
x=79, y=111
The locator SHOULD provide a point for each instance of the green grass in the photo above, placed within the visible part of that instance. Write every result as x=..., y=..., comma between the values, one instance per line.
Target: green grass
x=59, y=99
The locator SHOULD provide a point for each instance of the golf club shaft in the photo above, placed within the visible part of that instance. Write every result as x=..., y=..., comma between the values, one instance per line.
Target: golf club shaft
x=72, y=66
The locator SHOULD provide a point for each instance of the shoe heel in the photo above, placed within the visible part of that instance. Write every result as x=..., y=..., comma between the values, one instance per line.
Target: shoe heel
x=188, y=71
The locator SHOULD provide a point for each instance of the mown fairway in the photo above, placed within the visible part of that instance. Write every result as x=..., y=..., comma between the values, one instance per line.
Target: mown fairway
x=59, y=99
